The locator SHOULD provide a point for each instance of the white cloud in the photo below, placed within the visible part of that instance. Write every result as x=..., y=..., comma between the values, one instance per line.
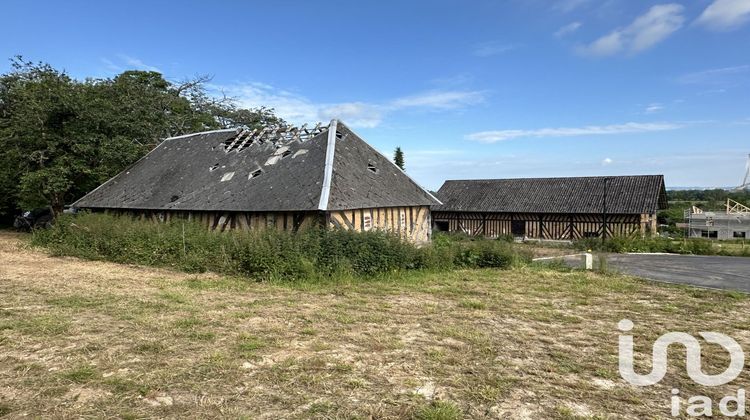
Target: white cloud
x=288, y=105
x=643, y=33
x=125, y=62
x=111, y=66
x=653, y=107
x=568, y=29
x=714, y=76
x=569, y=5
x=440, y=100
x=488, y=49
x=298, y=109
x=607, y=161
x=589, y=130
x=724, y=15
x=358, y=114
x=137, y=63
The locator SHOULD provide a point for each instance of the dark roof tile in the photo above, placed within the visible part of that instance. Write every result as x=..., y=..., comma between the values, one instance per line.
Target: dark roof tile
x=214, y=171
x=638, y=194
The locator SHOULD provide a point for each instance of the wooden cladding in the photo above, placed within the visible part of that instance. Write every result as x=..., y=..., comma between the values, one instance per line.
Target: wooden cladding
x=546, y=226
x=222, y=221
x=411, y=223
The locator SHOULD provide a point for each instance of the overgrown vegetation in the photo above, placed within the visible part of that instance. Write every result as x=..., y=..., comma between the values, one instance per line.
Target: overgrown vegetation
x=264, y=255
x=694, y=246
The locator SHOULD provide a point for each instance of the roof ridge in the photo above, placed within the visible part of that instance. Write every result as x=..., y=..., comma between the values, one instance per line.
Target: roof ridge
x=556, y=177
x=221, y=130
x=325, y=191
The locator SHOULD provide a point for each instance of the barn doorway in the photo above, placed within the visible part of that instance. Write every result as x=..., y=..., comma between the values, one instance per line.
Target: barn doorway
x=442, y=226
x=518, y=228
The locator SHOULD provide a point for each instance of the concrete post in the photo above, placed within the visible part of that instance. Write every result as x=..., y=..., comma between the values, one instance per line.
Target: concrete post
x=588, y=261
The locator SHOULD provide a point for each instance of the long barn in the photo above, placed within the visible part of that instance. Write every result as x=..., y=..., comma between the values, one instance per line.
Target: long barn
x=552, y=208
x=282, y=178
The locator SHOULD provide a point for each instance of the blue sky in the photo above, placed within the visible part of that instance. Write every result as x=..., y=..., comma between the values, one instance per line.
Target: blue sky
x=472, y=89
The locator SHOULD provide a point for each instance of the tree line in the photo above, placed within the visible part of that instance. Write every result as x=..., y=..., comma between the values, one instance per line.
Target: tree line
x=61, y=137
x=716, y=196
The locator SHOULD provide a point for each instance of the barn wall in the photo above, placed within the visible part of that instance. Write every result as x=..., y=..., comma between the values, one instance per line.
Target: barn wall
x=545, y=226
x=411, y=223
x=222, y=221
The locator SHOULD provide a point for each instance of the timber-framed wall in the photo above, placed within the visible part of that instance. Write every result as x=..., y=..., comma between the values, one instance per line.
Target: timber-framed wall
x=412, y=223
x=544, y=226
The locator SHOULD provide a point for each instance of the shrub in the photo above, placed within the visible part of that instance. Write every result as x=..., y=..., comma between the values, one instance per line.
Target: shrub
x=264, y=254
x=621, y=244
x=486, y=254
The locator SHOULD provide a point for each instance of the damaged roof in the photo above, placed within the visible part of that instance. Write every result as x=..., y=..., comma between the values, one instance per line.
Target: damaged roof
x=273, y=169
x=639, y=194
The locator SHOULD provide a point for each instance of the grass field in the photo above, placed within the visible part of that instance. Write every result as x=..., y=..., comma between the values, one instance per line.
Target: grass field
x=95, y=339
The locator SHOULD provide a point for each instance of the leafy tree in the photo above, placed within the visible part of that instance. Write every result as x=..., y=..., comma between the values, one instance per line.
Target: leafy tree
x=398, y=158
x=60, y=137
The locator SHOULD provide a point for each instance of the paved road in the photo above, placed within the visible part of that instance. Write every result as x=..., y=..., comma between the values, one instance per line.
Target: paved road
x=731, y=273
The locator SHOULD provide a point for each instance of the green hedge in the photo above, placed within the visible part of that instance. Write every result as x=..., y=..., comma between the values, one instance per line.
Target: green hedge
x=265, y=254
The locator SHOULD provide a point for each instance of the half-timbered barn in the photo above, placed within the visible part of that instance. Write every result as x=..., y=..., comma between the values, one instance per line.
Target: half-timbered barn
x=552, y=208
x=282, y=178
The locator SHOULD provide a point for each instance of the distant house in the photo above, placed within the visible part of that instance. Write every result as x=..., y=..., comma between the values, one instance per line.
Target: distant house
x=733, y=223
x=551, y=208
x=280, y=177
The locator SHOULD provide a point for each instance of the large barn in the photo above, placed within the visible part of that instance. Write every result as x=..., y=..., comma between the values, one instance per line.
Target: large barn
x=552, y=208
x=279, y=177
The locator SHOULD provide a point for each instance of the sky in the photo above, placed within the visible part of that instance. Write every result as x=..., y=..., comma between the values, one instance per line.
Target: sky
x=468, y=89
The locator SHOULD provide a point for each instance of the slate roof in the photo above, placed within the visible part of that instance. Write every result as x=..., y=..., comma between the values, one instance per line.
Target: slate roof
x=214, y=171
x=638, y=194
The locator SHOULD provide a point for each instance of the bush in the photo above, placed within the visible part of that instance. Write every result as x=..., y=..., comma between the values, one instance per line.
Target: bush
x=485, y=254
x=265, y=254
x=621, y=244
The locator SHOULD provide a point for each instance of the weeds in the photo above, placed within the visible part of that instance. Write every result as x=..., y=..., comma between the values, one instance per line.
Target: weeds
x=311, y=254
x=438, y=410
x=621, y=244
x=81, y=374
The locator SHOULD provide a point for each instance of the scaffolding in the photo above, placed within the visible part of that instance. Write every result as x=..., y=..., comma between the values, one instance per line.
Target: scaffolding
x=734, y=223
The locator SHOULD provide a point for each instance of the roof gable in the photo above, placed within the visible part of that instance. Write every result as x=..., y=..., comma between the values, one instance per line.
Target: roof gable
x=624, y=195
x=364, y=178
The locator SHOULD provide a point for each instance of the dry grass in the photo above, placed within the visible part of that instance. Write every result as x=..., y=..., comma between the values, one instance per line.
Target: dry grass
x=93, y=339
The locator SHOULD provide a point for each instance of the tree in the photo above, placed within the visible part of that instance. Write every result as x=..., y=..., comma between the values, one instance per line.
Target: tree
x=398, y=158
x=60, y=137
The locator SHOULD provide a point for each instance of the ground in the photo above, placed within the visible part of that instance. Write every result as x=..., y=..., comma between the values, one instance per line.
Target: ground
x=95, y=339
x=730, y=273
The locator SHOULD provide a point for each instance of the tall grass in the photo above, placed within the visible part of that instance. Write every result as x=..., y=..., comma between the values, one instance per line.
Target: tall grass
x=620, y=244
x=266, y=254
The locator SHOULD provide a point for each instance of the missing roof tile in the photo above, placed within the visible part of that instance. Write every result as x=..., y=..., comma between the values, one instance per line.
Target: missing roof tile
x=299, y=153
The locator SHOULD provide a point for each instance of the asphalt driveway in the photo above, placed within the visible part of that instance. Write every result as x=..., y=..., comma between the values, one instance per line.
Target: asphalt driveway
x=730, y=273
